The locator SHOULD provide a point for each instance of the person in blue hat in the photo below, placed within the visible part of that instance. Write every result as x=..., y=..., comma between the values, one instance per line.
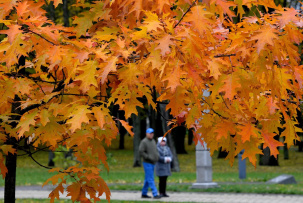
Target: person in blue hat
x=148, y=151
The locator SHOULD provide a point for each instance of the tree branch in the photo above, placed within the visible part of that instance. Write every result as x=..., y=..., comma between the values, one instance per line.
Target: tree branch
x=185, y=13
x=224, y=55
x=26, y=76
x=28, y=30
x=214, y=110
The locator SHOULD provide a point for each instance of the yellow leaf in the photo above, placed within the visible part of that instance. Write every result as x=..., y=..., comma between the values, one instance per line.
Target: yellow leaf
x=44, y=117
x=110, y=66
x=25, y=122
x=131, y=105
x=127, y=127
x=290, y=133
x=100, y=114
x=78, y=117
x=87, y=75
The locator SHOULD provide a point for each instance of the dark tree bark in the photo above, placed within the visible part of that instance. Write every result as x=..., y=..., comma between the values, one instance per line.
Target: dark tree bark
x=266, y=159
x=170, y=141
x=65, y=13
x=11, y=159
x=285, y=151
x=190, y=137
x=300, y=145
x=222, y=154
x=10, y=178
x=139, y=127
x=51, y=11
x=51, y=156
x=178, y=134
x=122, y=130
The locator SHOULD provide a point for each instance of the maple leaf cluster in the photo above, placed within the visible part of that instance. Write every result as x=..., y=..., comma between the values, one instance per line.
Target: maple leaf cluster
x=232, y=81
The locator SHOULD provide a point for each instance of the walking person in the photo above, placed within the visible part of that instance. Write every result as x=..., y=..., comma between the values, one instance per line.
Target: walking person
x=149, y=153
x=163, y=166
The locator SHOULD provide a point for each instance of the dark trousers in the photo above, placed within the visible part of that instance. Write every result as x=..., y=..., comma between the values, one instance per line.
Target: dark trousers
x=162, y=184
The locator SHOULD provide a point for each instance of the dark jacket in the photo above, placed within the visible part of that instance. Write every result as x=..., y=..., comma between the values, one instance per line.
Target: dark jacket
x=162, y=168
x=148, y=150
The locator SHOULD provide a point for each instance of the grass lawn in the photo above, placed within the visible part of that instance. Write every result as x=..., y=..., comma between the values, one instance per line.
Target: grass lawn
x=123, y=176
x=68, y=201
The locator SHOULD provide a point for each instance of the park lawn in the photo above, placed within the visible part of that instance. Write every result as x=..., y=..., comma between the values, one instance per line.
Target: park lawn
x=122, y=176
x=68, y=201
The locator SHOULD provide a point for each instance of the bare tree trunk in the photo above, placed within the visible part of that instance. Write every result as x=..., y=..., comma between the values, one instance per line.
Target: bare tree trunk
x=285, y=151
x=179, y=134
x=190, y=137
x=266, y=159
x=51, y=11
x=11, y=159
x=170, y=141
x=10, y=178
x=137, y=127
x=122, y=130
x=65, y=13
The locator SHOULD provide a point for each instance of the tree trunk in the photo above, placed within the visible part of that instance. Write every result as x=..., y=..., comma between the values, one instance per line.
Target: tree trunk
x=65, y=13
x=266, y=159
x=11, y=159
x=10, y=178
x=285, y=151
x=190, y=137
x=122, y=130
x=175, y=163
x=300, y=145
x=178, y=134
x=139, y=126
x=222, y=154
x=51, y=11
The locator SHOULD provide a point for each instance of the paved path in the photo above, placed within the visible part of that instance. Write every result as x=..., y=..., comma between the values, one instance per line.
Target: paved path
x=38, y=193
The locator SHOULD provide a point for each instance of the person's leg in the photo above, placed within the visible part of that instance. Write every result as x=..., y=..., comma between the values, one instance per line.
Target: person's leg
x=145, y=185
x=150, y=178
x=164, y=184
x=161, y=189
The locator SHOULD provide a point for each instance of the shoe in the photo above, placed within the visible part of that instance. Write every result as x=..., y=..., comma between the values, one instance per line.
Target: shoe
x=157, y=197
x=164, y=195
x=145, y=196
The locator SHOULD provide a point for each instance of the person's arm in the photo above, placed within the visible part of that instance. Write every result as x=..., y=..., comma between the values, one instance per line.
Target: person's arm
x=161, y=157
x=142, y=150
x=170, y=155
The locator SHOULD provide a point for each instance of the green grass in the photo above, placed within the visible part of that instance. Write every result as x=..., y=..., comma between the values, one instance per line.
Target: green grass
x=123, y=176
x=68, y=201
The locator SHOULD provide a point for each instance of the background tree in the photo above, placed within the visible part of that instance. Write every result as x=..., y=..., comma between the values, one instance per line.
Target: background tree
x=57, y=84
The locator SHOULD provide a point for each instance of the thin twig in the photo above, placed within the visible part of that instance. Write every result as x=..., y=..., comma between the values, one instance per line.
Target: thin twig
x=40, y=87
x=224, y=101
x=214, y=110
x=224, y=55
x=185, y=13
x=28, y=30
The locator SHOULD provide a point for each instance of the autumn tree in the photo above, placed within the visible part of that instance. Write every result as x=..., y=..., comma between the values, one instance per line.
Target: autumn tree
x=57, y=83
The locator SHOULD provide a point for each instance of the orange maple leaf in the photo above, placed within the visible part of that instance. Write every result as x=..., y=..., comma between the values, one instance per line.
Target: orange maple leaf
x=271, y=143
x=164, y=44
x=247, y=131
x=12, y=32
x=173, y=78
x=3, y=168
x=127, y=127
x=25, y=122
x=110, y=66
x=230, y=86
x=287, y=15
x=223, y=7
x=224, y=129
x=265, y=36
x=78, y=117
